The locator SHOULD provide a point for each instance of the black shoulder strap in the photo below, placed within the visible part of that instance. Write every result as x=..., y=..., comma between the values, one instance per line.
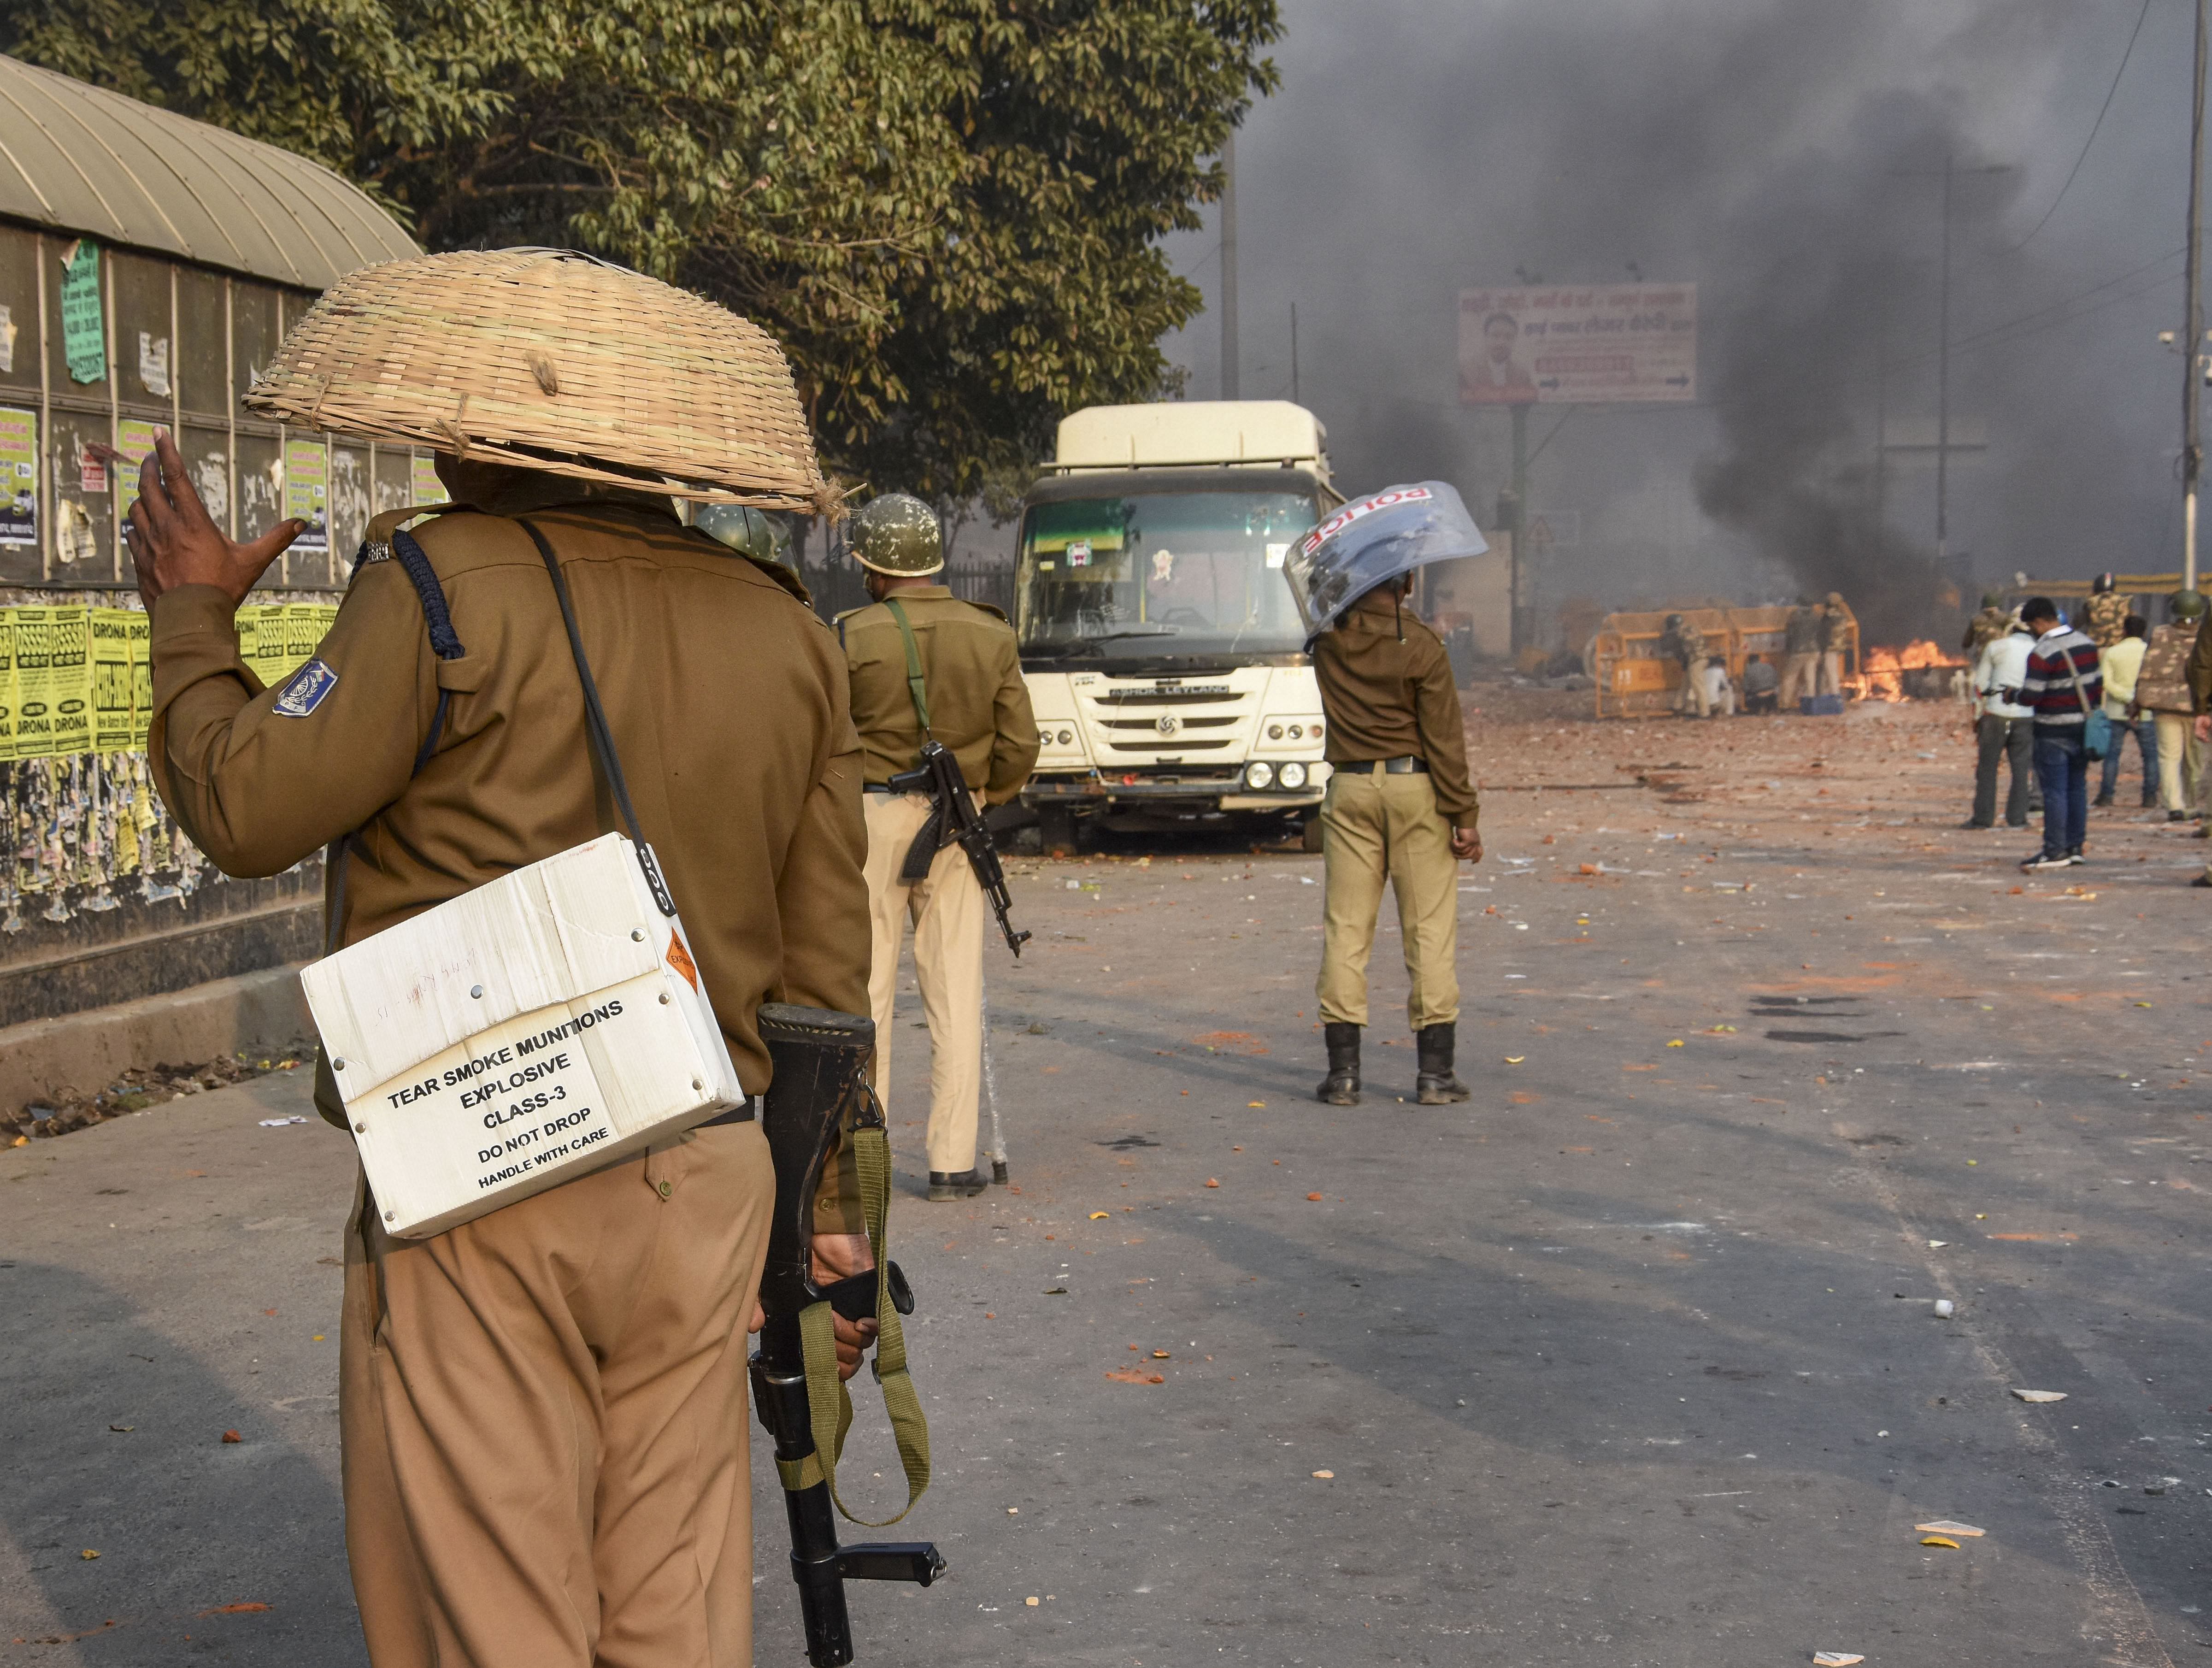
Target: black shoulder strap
x=445, y=644
x=600, y=737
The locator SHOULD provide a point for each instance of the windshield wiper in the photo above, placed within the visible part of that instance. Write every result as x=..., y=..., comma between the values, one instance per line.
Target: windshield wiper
x=1062, y=651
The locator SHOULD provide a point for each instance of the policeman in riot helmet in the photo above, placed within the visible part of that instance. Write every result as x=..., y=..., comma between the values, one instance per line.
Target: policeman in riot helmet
x=1401, y=809
x=1684, y=644
x=923, y=664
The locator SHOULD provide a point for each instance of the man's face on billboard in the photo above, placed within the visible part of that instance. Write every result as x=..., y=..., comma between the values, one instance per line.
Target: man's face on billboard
x=1500, y=334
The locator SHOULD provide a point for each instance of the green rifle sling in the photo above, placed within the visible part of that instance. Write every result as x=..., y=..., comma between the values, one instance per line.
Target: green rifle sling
x=914, y=683
x=828, y=1402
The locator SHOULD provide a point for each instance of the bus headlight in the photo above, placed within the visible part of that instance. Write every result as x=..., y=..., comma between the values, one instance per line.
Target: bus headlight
x=1293, y=775
x=1066, y=738
x=1259, y=775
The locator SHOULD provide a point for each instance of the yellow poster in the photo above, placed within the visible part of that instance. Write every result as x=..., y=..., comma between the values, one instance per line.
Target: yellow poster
x=53, y=681
x=303, y=627
x=261, y=642
x=111, y=679
x=134, y=439
x=140, y=636
x=6, y=682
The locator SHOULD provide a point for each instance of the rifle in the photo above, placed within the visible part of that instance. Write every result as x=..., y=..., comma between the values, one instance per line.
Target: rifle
x=820, y=1058
x=954, y=820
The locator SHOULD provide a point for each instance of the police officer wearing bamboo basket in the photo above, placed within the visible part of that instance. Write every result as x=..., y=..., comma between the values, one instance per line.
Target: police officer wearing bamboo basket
x=543, y=1409
x=925, y=664
x=1399, y=805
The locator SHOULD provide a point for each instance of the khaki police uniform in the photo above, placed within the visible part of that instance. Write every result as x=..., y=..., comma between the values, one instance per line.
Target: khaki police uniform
x=1387, y=695
x=544, y=1411
x=1802, y=636
x=1687, y=645
x=1835, y=637
x=979, y=708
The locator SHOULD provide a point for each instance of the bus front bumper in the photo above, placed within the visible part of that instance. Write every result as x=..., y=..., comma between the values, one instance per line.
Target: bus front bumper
x=1222, y=793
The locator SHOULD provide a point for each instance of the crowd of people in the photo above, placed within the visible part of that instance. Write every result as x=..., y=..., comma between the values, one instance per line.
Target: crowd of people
x=2051, y=699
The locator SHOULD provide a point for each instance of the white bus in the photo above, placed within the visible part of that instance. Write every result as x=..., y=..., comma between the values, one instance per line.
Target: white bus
x=1163, y=654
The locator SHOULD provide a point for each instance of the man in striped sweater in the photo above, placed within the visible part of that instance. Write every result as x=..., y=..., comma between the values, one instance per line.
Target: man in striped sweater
x=2061, y=687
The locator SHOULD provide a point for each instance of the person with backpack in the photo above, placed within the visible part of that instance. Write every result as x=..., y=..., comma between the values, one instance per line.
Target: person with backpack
x=2061, y=687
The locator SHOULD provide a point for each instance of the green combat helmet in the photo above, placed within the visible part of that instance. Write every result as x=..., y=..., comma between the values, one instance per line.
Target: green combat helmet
x=897, y=534
x=2186, y=604
x=1993, y=600
x=747, y=531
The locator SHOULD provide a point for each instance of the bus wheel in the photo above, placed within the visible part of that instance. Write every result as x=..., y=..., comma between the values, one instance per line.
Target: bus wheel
x=1311, y=832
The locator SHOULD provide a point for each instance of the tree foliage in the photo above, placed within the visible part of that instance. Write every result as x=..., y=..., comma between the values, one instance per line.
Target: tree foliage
x=947, y=211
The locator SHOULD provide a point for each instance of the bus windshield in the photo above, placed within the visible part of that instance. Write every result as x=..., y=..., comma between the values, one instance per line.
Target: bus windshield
x=1178, y=574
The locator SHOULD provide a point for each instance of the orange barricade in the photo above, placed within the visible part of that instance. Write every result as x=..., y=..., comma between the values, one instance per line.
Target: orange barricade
x=1635, y=679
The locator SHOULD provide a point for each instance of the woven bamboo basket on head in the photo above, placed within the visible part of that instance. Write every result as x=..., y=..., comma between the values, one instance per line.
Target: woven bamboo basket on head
x=549, y=360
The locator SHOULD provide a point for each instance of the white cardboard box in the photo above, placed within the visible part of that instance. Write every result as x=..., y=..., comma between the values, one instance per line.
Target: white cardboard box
x=542, y=1025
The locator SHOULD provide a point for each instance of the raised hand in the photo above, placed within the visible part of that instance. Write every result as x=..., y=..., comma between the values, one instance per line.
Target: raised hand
x=174, y=541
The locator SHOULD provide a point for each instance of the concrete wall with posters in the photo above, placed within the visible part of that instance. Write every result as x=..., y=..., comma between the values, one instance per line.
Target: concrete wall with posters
x=179, y=345
x=102, y=899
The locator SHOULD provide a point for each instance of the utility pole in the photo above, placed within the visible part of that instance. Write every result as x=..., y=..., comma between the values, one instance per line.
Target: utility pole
x=1881, y=408
x=1949, y=172
x=2193, y=336
x=1295, y=400
x=1943, y=385
x=1513, y=515
x=1229, y=266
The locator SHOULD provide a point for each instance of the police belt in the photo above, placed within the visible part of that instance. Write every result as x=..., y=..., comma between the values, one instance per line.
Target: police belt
x=1409, y=764
x=743, y=1112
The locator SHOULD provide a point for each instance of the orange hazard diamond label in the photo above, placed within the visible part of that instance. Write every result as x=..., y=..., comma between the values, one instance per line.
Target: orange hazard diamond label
x=680, y=960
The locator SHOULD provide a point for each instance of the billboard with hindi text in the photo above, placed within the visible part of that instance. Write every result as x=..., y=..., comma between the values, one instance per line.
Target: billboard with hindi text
x=1576, y=345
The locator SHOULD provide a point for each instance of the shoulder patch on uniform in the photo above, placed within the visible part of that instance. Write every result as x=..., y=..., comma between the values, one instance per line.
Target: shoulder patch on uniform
x=990, y=608
x=304, y=690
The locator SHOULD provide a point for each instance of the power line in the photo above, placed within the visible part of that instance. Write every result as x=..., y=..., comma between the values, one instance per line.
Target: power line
x=2031, y=316
x=2135, y=293
x=2094, y=127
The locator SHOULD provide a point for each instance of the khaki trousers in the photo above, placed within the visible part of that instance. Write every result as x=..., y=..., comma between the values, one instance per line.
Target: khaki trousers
x=1690, y=693
x=1831, y=673
x=1801, y=676
x=948, y=911
x=544, y=1423
x=2180, y=761
x=1373, y=827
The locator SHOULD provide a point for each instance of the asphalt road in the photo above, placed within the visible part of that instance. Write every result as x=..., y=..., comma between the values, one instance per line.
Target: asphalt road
x=1634, y=1359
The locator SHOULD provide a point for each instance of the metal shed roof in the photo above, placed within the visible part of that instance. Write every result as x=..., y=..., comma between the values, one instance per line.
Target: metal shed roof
x=80, y=159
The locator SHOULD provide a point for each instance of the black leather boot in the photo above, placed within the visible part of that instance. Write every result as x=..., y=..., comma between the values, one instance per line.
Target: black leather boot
x=956, y=1184
x=1341, y=1086
x=1438, y=1085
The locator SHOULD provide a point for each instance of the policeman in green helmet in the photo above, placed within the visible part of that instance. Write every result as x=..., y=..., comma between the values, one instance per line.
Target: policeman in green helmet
x=923, y=662
x=747, y=531
x=2162, y=691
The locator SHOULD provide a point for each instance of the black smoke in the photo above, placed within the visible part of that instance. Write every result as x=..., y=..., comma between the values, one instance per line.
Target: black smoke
x=1779, y=155
x=1823, y=258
